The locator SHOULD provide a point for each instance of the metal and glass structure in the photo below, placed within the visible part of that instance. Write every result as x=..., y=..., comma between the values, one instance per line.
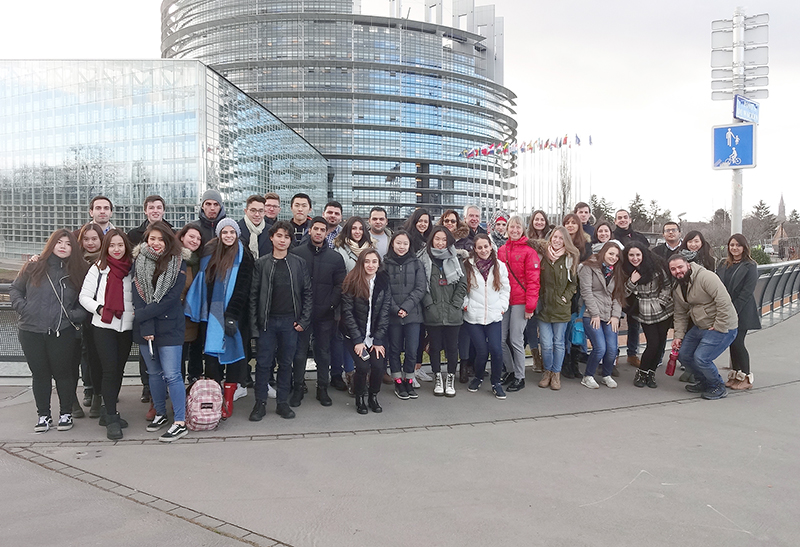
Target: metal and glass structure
x=71, y=130
x=392, y=103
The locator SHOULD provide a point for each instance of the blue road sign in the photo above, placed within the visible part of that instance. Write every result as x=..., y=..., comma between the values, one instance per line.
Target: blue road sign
x=745, y=109
x=735, y=146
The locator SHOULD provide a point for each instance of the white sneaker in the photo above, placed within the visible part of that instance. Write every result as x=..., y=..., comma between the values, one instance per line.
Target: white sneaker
x=415, y=383
x=240, y=392
x=271, y=393
x=438, y=387
x=609, y=381
x=450, y=387
x=589, y=382
x=422, y=376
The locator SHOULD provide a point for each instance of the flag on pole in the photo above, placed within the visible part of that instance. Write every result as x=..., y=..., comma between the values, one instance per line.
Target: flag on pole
x=590, y=140
x=565, y=139
x=577, y=140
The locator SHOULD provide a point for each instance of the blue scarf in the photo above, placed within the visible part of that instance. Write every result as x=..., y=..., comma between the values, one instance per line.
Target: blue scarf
x=228, y=349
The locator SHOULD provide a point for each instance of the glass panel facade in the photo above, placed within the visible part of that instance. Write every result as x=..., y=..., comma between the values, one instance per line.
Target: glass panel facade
x=70, y=130
x=390, y=102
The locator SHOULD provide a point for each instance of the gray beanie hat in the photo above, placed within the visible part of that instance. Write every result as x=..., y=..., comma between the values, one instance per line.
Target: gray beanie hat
x=211, y=194
x=228, y=222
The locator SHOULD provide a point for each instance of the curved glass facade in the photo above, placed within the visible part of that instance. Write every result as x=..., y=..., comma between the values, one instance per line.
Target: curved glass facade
x=391, y=102
x=70, y=130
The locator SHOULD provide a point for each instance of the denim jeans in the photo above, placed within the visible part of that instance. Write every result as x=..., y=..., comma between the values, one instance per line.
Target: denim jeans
x=633, y=336
x=551, y=336
x=487, y=339
x=280, y=338
x=514, y=324
x=341, y=360
x=164, y=372
x=699, y=349
x=604, y=347
x=403, y=338
x=319, y=336
x=532, y=333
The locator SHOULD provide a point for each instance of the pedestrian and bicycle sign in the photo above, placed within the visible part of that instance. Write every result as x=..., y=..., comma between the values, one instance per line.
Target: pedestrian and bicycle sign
x=735, y=146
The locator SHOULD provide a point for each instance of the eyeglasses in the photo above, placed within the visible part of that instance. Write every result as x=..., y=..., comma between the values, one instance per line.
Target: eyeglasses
x=670, y=230
x=449, y=221
x=273, y=206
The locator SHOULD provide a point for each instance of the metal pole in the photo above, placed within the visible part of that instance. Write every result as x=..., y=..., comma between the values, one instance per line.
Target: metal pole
x=738, y=88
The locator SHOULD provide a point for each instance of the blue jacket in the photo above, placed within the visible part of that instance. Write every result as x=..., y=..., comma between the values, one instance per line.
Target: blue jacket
x=164, y=320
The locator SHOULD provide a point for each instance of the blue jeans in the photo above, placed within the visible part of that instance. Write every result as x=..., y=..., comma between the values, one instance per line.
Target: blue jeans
x=604, y=347
x=164, y=372
x=341, y=360
x=403, y=338
x=532, y=333
x=487, y=339
x=633, y=336
x=551, y=336
x=699, y=349
x=280, y=338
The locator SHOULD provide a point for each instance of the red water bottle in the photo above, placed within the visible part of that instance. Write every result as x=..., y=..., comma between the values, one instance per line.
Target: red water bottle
x=673, y=358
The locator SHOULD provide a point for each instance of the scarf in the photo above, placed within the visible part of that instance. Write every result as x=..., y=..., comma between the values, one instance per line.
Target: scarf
x=691, y=256
x=397, y=258
x=553, y=255
x=193, y=262
x=145, y=267
x=353, y=245
x=91, y=258
x=451, y=265
x=114, y=303
x=608, y=272
x=484, y=266
x=255, y=231
x=228, y=349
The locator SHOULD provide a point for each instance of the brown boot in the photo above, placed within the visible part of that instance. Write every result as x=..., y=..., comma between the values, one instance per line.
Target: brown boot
x=545, y=381
x=732, y=379
x=634, y=361
x=151, y=413
x=743, y=381
x=555, y=381
x=538, y=365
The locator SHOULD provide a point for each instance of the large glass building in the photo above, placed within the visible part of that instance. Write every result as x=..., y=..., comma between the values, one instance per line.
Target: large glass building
x=70, y=130
x=391, y=102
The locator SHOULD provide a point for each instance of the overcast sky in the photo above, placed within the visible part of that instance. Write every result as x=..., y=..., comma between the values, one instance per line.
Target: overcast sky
x=635, y=74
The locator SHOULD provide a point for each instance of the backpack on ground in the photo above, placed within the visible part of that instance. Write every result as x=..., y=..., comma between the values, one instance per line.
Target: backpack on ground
x=204, y=405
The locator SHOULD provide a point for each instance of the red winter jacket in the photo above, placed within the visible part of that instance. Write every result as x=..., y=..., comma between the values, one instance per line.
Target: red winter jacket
x=523, y=261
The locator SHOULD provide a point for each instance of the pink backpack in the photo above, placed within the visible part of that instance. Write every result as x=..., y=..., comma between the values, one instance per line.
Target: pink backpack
x=204, y=405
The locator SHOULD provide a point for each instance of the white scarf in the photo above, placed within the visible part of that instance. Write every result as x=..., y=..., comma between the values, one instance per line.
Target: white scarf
x=255, y=231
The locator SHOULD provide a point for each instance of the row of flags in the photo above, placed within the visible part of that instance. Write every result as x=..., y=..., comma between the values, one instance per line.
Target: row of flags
x=503, y=149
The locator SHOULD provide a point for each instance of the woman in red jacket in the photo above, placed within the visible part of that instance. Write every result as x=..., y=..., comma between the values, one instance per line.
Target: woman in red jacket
x=522, y=263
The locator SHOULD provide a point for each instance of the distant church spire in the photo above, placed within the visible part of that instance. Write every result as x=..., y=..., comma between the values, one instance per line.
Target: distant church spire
x=781, y=211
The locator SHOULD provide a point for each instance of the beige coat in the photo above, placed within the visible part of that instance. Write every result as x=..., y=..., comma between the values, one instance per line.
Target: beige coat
x=707, y=303
x=596, y=295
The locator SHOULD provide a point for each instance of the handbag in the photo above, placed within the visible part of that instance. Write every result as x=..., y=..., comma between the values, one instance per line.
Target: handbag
x=578, y=334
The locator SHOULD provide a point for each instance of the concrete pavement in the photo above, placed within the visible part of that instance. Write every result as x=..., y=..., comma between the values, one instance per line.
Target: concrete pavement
x=578, y=467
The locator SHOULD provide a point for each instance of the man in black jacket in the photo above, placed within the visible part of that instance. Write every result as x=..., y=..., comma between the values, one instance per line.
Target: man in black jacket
x=672, y=241
x=154, y=208
x=327, y=271
x=280, y=309
x=624, y=233
x=211, y=212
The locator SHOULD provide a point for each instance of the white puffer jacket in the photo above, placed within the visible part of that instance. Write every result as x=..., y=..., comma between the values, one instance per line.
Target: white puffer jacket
x=484, y=305
x=93, y=294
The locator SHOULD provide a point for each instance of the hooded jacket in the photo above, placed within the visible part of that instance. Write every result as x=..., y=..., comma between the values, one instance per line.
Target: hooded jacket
x=597, y=294
x=524, y=272
x=483, y=304
x=408, y=286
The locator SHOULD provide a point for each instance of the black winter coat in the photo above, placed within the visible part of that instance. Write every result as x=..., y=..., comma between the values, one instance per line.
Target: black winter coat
x=163, y=320
x=408, y=285
x=741, y=286
x=626, y=236
x=264, y=242
x=261, y=292
x=207, y=226
x=327, y=272
x=135, y=236
x=356, y=309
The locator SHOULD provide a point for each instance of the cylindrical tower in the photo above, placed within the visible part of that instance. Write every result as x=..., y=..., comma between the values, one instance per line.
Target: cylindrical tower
x=392, y=103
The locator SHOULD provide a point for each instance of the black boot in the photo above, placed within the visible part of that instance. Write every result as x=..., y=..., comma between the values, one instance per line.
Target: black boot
x=259, y=410
x=297, y=395
x=640, y=380
x=361, y=404
x=284, y=411
x=113, y=428
x=651, y=379
x=87, y=396
x=566, y=367
x=104, y=419
x=373, y=403
x=463, y=372
x=574, y=359
x=97, y=403
x=323, y=397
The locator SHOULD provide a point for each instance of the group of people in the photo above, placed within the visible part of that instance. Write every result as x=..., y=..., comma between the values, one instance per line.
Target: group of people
x=369, y=301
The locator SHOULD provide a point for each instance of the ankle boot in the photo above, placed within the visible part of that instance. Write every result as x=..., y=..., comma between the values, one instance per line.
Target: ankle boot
x=323, y=397
x=651, y=379
x=546, y=378
x=555, y=381
x=463, y=372
x=77, y=411
x=227, y=404
x=296, y=398
x=104, y=418
x=94, y=410
x=373, y=403
x=538, y=364
x=566, y=367
x=640, y=380
x=348, y=380
x=113, y=428
x=87, y=396
x=731, y=379
x=361, y=404
x=743, y=381
x=151, y=412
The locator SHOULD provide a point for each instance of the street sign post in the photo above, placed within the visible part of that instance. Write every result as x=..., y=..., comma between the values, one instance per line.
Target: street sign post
x=744, y=109
x=735, y=146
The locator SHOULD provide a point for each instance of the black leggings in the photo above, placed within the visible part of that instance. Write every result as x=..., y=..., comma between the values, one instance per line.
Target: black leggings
x=232, y=372
x=113, y=349
x=656, y=336
x=444, y=338
x=51, y=357
x=740, y=358
x=375, y=367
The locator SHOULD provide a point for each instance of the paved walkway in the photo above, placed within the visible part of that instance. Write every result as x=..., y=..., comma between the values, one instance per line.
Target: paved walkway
x=577, y=467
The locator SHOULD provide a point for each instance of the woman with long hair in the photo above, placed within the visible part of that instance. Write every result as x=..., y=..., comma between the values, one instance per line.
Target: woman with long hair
x=408, y=283
x=219, y=299
x=159, y=326
x=106, y=294
x=603, y=233
x=538, y=226
x=643, y=280
x=353, y=240
x=191, y=239
x=739, y=274
x=90, y=239
x=558, y=284
x=418, y=227
x=696, y=249
x=522, y=263
x=366, y=302
x=579, y=238
x=442, y=305
x=452, y=221
x=488, y=291
x=603, y=311
x=45, y=295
